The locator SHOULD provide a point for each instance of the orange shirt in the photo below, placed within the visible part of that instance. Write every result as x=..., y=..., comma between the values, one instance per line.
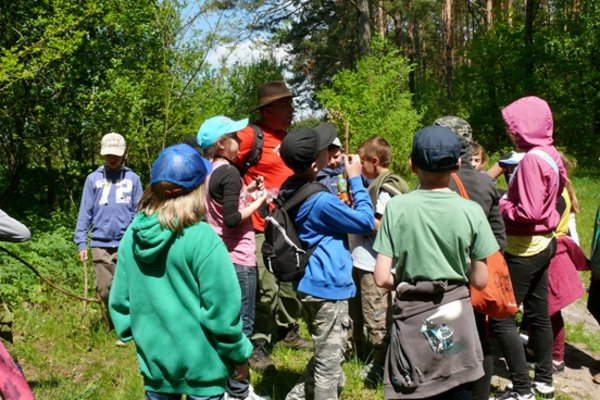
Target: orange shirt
x=270, y=165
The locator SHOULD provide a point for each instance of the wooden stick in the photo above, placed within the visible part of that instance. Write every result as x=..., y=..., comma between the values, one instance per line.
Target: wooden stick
x=85, y=288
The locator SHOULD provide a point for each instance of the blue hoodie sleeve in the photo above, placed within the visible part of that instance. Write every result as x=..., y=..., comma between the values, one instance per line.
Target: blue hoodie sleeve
x=336, y=217
x=86, y=212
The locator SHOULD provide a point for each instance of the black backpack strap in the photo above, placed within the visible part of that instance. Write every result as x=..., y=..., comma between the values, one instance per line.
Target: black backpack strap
x=256, y=151
x=302, y=194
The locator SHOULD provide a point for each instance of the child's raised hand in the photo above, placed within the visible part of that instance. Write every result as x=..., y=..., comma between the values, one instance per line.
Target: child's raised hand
x=352, y=165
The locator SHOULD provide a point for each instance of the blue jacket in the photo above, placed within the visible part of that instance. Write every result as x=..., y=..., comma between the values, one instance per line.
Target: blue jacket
x=108, y=204
x=325, y=222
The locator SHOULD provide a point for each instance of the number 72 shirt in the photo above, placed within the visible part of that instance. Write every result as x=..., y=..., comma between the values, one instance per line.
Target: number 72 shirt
x=108, y=204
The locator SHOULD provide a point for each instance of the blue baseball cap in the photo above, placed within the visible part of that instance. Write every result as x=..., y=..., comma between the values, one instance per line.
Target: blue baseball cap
x=178, y=170
x=435, y=149
x=213, y=128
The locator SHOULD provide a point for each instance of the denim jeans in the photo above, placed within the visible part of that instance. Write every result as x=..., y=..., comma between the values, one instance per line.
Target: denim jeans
x=171, y=396
x=248, y=281
x=247, y=277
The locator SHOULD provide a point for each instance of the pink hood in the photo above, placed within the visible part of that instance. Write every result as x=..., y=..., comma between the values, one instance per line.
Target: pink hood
x=530, y=205
x=529, y=121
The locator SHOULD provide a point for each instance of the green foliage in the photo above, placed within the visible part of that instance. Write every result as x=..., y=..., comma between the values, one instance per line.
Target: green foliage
x=565, y=58
x=373, y=99
x=52, y=253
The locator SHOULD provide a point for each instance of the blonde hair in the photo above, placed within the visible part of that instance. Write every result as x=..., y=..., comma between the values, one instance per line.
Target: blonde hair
x=569, y=167
x=175, y=213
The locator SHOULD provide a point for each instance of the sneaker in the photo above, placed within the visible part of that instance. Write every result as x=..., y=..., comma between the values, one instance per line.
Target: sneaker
x=250, y=396
x=253, y=396
x=543, y=390
x=293, y=339
x=120, y=343
x=512, y=395
x=260, y=359
x=558, y=366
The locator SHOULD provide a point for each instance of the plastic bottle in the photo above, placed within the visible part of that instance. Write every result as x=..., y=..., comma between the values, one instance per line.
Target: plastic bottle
x=342, y=186
x=445, y=334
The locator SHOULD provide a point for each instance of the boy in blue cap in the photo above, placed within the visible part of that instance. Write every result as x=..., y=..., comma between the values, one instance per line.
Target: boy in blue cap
x=436, y=242
x=175, y=292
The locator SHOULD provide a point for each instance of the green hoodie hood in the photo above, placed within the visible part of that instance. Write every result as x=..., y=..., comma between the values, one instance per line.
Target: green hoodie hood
x=149, y=237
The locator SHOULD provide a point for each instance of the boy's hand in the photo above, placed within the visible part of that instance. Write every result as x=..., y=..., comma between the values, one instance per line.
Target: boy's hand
x=242, y=372
x=353, y=165
x=83, y=256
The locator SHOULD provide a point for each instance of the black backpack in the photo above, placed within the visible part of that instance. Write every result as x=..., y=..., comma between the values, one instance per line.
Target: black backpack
x=283, y=252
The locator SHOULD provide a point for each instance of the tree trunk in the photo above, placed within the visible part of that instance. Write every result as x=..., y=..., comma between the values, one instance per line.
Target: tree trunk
x=448, y=45
x=529, y=18
x=380, y=20
x=364, y=27
x=489, y=7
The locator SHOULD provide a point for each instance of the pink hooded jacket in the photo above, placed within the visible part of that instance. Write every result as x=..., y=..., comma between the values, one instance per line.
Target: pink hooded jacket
x=530, y=206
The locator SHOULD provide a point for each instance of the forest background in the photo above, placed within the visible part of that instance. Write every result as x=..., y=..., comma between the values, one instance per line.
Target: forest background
x=71, y=71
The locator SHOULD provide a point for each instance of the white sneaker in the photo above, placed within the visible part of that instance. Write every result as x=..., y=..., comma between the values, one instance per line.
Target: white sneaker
x=543, y=390
x=251, y=396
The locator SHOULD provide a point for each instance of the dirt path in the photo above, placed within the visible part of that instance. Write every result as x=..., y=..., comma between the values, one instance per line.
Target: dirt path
x=581, y=363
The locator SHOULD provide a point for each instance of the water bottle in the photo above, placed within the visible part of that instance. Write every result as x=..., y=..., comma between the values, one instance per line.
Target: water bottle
x=342, y=186
x=445, y=334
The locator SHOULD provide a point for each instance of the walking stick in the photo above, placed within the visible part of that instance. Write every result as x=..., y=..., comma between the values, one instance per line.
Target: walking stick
x=104, y=313
x=85, y=288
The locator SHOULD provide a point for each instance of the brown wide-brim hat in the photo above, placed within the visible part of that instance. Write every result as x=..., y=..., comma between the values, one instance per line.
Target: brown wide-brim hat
x=271, y=91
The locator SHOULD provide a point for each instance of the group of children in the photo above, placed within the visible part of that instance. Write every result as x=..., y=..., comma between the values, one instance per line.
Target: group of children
x=185, y=289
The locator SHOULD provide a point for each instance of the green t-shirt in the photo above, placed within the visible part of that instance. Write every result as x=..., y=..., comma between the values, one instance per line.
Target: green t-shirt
x=433, y=235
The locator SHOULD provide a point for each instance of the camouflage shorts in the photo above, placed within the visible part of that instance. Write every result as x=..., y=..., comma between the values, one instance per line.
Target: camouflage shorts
x=328, y=323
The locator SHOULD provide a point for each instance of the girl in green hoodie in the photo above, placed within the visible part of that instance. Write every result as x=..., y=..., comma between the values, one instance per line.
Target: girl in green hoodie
x=175, y=292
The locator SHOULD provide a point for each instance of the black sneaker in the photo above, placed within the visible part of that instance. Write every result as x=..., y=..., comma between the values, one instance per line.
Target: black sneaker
x=293, y=339
x=260, y=359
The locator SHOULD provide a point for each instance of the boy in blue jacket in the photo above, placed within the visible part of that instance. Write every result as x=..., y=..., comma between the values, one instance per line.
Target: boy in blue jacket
x=108, y=204
x=323, y=223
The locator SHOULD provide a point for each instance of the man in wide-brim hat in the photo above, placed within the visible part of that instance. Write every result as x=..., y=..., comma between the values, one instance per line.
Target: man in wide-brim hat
x=277, y=309
x=271, y=92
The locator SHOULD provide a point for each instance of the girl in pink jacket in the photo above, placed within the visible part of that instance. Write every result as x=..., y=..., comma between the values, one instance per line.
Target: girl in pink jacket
x=530, y=216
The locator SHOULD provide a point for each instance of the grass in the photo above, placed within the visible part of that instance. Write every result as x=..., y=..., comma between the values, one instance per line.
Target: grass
x=65, y=356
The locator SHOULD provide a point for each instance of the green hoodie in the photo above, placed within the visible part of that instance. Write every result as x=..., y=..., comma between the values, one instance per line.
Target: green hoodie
x=178, y=298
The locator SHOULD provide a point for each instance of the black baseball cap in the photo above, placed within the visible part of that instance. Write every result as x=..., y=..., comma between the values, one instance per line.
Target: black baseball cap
x=300, y=148
x=435, y=149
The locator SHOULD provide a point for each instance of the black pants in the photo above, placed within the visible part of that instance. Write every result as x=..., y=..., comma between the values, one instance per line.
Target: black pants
x=593, y=304
x=529, y=276
x=481, y=387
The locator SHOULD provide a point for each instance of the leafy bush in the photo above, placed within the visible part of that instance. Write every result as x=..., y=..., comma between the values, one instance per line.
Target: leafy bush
x=374, y=100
